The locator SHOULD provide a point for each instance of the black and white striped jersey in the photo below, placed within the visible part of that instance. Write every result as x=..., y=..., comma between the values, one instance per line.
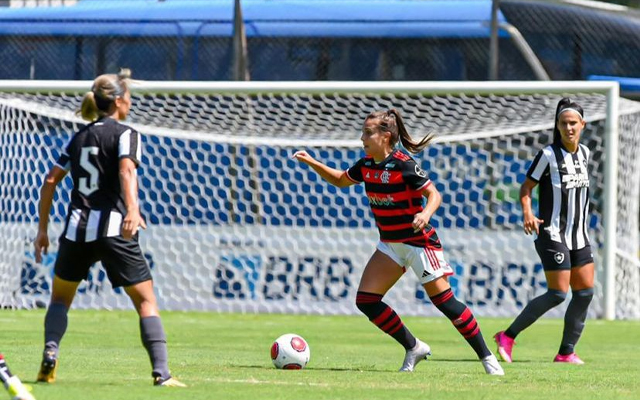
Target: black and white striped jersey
x=563, y=179
x=92, y=156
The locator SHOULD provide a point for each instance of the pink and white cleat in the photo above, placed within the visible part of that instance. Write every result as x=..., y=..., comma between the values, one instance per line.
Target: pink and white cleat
x=568, y=358
x=505, y=346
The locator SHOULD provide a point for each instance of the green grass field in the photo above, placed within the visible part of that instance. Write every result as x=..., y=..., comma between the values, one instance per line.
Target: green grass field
x=226, y=356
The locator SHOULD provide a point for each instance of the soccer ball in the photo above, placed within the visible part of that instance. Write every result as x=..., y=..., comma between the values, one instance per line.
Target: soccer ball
x=290, y=351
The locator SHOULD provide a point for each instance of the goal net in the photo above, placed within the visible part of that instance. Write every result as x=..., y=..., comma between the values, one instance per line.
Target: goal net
x=234, y=224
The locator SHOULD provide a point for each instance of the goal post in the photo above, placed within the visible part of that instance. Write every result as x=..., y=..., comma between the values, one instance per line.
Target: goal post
x=235, y=225
x=611, y=201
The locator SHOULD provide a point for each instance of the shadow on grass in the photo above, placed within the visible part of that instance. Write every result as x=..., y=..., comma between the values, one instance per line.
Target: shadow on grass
x=371, y=368
x=353, y=369
x=471, y=360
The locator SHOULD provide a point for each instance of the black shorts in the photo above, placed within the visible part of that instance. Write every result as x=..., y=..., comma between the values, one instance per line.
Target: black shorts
x=556, y=256
x=122, y=260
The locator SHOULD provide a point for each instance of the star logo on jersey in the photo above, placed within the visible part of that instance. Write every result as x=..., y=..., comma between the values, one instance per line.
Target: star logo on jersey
x=576, y=164
x=558, y=257
x=384, y=178
x=420, y=172
x=553, y=231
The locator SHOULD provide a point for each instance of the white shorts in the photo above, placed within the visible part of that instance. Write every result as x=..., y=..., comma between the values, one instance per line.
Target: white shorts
x=428, y=264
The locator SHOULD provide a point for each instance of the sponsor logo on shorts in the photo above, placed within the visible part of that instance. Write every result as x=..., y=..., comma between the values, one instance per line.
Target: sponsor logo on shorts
x=558, y=257
x=425, y=273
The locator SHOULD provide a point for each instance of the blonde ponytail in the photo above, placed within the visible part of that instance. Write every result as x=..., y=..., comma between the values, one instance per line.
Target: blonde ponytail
x=88, y=110
x=101, y=99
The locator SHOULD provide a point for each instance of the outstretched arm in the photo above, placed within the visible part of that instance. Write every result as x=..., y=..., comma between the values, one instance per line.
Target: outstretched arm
x=47, y=191
x=531, y=223
x=333, y=176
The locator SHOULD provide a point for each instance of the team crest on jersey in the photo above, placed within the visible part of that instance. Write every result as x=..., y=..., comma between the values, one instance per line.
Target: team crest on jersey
x=420, y=172
x=558, y=257
x=384, y=178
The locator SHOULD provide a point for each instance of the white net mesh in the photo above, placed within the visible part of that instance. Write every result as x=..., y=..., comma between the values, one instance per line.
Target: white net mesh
x=236, y=225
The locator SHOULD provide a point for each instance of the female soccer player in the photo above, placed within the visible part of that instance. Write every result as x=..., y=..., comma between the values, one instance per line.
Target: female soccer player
x=395, y=186
x=562, y=242
x=102, y=222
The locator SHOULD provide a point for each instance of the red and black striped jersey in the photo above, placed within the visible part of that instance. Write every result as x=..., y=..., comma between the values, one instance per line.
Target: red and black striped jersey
x=394, y=189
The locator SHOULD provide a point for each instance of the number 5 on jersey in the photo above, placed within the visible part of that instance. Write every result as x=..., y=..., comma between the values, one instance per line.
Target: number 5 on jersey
x=85, y=163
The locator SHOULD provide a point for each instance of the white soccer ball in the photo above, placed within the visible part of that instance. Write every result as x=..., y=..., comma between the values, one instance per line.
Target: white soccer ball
x=290, y=351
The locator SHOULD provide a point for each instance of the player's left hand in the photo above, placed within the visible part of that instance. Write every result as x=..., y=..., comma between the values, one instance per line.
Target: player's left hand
x=41, y=245
x=131, y=223
x=420, y=221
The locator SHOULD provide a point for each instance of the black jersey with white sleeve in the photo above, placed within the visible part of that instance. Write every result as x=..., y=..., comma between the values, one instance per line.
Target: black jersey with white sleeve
x=93, y=156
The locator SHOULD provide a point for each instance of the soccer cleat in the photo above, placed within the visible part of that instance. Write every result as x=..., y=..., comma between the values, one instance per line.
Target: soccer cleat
x=419, y=352
x=48, y=367
x=568, y=358
x=492, y=366
x=505, y=346
x=167, y=382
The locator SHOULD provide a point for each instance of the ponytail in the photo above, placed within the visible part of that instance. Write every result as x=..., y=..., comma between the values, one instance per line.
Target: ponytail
x=100, y=100
x=391, y=121
x=88, y=110
x=407, y=142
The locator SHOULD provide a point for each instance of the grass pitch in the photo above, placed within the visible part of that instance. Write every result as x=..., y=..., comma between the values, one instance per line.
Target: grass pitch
x=226, y=356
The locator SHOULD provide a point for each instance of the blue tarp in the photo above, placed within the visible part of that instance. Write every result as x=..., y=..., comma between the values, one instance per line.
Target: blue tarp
x=627, y=85
x=287, y=18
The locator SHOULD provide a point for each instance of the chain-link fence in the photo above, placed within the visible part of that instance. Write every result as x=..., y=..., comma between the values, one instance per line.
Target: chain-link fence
x=307, y=40
x=576, y=42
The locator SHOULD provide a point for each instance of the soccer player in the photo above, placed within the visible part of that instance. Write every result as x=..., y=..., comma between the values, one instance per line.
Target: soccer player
x=395, y=186
x=102, y=222
x=561, y=170
x=12, y=383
